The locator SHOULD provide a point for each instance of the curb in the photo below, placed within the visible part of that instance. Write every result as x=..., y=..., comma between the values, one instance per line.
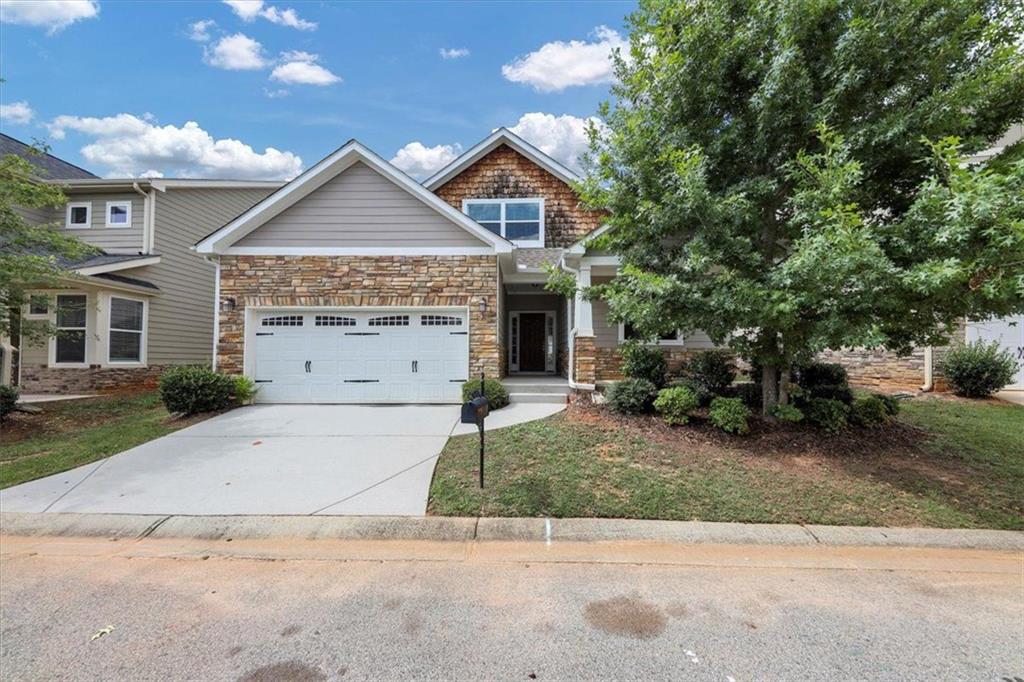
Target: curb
x=471, y=529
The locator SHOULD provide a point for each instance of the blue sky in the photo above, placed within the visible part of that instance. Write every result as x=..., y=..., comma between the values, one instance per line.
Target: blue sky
x=112, y=86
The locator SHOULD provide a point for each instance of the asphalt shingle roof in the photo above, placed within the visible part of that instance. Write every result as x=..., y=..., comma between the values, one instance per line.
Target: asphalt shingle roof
x=51, y=167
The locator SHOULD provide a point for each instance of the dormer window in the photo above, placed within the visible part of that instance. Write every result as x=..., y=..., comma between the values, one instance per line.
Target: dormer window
x=520, y=221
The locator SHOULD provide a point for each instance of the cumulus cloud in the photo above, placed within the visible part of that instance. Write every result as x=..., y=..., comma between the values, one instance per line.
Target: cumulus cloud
x=559, y=65
x=16, y=112
x=236, y=52
x=130, y=146
x=563, y=138
x=53, y=15
x=249, y=10
x=454, y=52
x=421, y=161
x=302, y=68
x=200, y=31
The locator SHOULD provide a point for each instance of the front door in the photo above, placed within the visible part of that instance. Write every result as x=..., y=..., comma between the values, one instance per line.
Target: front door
x=531, y=342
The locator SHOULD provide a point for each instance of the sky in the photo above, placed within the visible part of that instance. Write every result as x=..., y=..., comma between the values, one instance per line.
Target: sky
x=245, y=89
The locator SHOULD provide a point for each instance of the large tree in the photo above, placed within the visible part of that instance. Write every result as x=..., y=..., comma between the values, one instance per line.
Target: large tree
x=784, y=174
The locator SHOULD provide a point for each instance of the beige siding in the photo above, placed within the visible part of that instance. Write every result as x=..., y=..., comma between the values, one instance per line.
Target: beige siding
x=360, y=208
x=39, y=216
x=110, y=239
x=181, y=317
x=606, y=333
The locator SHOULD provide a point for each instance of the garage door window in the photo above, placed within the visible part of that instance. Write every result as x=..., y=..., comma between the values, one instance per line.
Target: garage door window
x=282, y=321
x=335, y=321
x=390, y=321
x=440, y=321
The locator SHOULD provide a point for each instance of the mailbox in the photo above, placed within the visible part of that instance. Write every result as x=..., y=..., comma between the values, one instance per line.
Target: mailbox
x=474, y=411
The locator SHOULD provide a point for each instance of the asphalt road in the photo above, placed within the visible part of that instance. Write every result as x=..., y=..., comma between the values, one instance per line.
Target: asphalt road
x=90, y=609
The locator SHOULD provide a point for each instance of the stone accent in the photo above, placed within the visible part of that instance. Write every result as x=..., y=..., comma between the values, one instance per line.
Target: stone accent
x=504, y=173
x=64, y=380
x=362, y=281
x=585, y=360
x=609, y=361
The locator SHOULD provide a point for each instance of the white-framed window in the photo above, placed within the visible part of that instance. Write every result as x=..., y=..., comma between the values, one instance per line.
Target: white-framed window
x=520, y=221
x=127, y=325
x=38, y=306
x=119, y=214
x=627, y=333
x=79, y=215
x=70, y=321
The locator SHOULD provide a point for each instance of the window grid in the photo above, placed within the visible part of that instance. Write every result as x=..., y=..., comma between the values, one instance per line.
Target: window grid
x=126, y=339
x=440, y=321
x=71, y=328
x=282, y=321
x=334, y=321
x=390, y=321
x=503, y=225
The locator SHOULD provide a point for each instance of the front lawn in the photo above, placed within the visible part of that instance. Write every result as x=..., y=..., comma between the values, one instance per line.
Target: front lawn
x=945, y=463
x=70, y=433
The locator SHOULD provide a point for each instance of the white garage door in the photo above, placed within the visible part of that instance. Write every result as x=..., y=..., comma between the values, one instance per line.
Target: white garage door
x=347, y=356
x=1009, y=333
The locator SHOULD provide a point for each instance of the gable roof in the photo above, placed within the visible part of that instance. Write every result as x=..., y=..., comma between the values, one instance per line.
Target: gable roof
x=50, y=166
x=326, y=169
x=493, y=141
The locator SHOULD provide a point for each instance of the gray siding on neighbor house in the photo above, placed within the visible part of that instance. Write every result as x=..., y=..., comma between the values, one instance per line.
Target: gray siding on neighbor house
x=110, y=239
x=359, y=208
x=181, y=316
x=39, y=216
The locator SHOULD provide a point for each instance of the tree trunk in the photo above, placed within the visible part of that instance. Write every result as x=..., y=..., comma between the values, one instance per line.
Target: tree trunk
x=769, y=389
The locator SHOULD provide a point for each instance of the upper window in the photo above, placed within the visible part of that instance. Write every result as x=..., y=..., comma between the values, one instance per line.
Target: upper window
x=79, y=215
x=119, y=214
x=126, y=318
x=70, y=338
x=627, y=333
x=38, y=306
x=517, y=220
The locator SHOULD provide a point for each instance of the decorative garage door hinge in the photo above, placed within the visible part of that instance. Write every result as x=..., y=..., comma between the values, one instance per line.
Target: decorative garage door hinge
x=362, y=333
x=458, y=333
x=264, y=333
x=362, y=381
x=263, y=381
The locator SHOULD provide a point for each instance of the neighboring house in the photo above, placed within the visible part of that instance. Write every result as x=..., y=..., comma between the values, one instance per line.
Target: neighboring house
x=145, y=301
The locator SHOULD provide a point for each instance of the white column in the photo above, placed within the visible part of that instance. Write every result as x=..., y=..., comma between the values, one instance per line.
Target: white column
x=584, y=314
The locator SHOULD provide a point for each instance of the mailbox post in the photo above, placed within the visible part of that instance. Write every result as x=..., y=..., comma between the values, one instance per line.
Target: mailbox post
x=475, y=411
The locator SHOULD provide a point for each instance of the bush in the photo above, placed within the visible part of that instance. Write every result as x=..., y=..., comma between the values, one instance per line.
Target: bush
x=494, y=391
x=891, y=402
x=841, y=392
x=8, y=399
x=730, y=415
x=830, y=415
x=644, y=362
x=712, y=371
x=191, y=390
x=674, y=404
x=632, y=396
x=815, y=374
x=979, y=369
x=868, y=410
x=245, y=389
x=787, y=413
x=750, y=394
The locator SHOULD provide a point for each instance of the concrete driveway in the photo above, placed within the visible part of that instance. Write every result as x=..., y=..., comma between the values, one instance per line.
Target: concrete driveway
x=265, y=459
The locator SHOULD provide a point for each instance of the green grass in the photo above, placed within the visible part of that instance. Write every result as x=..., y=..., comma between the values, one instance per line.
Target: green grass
x=945, y=464
x=70, y=433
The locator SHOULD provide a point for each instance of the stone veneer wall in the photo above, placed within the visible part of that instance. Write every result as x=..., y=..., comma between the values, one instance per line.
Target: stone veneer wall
x=504, y=173
x=609, y=361
x=362, y=281
x=65, y=380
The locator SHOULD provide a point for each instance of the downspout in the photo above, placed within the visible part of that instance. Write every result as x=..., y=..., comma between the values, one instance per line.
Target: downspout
x=216, y=313
x=929, y=370
x=147, y=217
x=572, y=332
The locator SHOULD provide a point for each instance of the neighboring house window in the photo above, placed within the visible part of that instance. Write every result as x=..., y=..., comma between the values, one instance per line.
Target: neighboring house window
x=70, y=340
x=126, y=321
x=119, y=214
x=517, y=220
x=627, y=333
x=38, y=306
x=79, y=215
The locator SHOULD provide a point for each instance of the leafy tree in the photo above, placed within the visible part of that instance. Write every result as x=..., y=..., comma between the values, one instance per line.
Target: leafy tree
x=30, y=254
x=767, y=168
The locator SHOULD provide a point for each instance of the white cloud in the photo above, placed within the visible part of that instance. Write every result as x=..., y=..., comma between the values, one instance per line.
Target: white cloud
x=16, y=112
x=236, y=52
x=130, y=146
x=302, y=68
x=200, y=31
x=275, y=94
x=454, y=52
x=54, y=15
x=564, y=138
x=249, y=10
x=420, y=161
x=558, y=65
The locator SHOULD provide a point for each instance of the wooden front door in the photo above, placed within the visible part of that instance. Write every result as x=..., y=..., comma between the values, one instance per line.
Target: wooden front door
x=531, y=342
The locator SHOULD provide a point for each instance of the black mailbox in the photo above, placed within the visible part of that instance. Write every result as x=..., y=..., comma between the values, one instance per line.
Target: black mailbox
x=474, y=411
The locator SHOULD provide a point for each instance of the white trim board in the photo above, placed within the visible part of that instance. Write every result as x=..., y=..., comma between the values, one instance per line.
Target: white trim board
x=357, y=251
x=119, y=265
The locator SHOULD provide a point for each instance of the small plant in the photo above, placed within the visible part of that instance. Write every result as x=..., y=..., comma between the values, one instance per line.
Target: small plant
x=869, y=410
x=712, y=371
x=730, y=415
x=830, y=415
x=494, y=391
x=788, y=413
x=191, y=390
x=632, y=396
x=8, y=401
x=674, y=404
x=640, y=361
x=891, y=402
x=245, y=389
x=979, y=369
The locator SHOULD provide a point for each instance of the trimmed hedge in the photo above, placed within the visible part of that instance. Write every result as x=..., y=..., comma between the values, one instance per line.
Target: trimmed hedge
x=979, y=369
x=640, y=361
x=494, y=391
x=830, y=415
x=191, y=389
x=712, y=371
x=730, y=415
x=869, y=410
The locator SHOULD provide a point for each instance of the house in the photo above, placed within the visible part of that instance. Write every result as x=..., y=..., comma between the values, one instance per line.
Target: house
x=145, y=300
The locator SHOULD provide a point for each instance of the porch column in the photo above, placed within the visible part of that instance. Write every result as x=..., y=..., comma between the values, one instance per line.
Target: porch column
x=584, y=314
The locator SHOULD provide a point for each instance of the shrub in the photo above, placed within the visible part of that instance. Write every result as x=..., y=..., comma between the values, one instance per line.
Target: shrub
x=712, y=371
x=8, y=400
x=891, y=402
x=815, y=374
x=494, y=391
x=788, y=413
x=830, y=415
x=730, y=415
x=868, y=410
x=191, y=390
x=979, y=369
x=840, y=392
x=640, y=361
x=632, y=396
x=750, y=394
x=674, y=404
x=245, y=389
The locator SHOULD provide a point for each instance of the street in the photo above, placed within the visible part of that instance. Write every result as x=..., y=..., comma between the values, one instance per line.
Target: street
x=93, y=608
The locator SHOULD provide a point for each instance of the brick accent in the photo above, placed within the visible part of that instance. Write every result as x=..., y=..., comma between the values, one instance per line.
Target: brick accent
x=504, y=173
x=362, y=281
x=43, y=379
